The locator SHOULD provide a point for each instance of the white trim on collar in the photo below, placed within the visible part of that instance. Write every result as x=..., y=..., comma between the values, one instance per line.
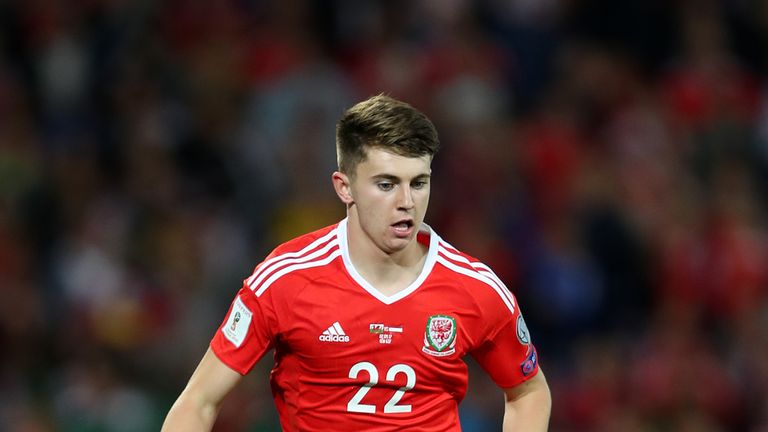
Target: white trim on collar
x=429, y=263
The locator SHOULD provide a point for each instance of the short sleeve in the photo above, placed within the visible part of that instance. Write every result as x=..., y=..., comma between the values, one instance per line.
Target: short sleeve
x=507, y=354
x=246, y=333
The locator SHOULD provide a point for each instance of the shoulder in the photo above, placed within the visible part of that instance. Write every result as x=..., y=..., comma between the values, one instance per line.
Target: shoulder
x=307, y=242
x=476, y=277
x=463, y=265
x=300, y=256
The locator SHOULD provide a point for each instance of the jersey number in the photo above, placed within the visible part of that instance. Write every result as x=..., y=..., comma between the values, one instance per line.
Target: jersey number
x=355, y=405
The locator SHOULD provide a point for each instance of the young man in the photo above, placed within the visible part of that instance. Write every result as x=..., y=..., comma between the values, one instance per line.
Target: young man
x=370, y=318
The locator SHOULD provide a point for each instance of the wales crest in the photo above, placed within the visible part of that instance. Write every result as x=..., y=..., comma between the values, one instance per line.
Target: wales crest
x=440, y=336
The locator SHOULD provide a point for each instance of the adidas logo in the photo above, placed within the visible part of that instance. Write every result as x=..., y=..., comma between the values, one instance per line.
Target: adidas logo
x=334, y=333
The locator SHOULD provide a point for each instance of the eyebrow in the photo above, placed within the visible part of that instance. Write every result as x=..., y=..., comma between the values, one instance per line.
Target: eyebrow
x=395, y=179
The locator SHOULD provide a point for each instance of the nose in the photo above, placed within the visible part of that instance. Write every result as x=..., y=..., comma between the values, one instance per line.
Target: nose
x=405, y=198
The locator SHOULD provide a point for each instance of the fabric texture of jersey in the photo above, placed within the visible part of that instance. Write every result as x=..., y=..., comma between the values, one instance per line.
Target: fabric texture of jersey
x=346, y=355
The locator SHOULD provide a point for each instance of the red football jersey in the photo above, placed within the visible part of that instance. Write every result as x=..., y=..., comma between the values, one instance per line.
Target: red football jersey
x=348, y=357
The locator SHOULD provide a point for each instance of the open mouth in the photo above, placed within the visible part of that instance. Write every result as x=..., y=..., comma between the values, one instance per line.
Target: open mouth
x=403, y=226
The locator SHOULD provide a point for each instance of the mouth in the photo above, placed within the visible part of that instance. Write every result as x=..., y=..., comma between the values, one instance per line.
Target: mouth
x=403, y=228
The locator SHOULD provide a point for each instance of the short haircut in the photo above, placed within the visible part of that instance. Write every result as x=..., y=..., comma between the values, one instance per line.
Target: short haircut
x=385, y=123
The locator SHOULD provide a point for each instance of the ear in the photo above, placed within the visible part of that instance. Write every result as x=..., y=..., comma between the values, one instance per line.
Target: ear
x=343, y=187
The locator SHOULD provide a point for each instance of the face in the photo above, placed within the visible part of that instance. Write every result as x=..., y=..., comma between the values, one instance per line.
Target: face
x=387, y=198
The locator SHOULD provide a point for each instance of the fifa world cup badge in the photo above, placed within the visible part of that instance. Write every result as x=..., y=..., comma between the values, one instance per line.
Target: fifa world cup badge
x=233, y=327
x=440, y=336
x=236, y=328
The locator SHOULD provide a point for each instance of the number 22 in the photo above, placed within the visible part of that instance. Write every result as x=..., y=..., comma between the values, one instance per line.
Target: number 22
x=391, y=406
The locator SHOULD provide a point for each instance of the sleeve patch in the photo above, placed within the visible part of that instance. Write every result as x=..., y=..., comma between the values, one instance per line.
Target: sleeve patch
x=238, y=322
x=529, y=365
x=522, y=331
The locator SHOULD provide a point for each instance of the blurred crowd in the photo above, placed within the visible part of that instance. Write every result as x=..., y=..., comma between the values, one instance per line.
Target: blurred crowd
x=608, y=159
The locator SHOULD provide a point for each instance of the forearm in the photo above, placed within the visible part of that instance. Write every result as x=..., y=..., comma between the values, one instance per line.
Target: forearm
x=528, y=410
x=188, y=415
x=198, y=405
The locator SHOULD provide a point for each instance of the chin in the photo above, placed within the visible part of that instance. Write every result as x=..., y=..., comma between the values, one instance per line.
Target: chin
x=397, y=245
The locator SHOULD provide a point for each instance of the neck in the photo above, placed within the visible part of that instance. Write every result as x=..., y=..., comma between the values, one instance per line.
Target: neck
x=389, y=272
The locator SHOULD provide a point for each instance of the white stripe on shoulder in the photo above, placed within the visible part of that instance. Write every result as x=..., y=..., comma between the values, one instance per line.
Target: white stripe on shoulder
x=267, y=270
x=448, y=246
x=473, y=273
x=315, y=244
x=481, y=268
x=484, y=269
x=292, y=268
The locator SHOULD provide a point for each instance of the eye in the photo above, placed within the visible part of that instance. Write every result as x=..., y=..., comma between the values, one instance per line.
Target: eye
x=384, y=186
x=419, y=184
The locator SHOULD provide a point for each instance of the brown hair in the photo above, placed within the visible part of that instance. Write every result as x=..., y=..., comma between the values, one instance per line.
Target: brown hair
x=385, y=123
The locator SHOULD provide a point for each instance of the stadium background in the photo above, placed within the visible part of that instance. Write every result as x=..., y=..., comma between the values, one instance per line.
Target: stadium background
x=607, y=158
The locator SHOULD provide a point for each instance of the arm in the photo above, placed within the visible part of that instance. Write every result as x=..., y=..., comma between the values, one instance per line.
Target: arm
x=198, y=405
x=528, y=405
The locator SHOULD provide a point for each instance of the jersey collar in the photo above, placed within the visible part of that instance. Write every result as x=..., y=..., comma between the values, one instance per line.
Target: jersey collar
x=429, y=263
